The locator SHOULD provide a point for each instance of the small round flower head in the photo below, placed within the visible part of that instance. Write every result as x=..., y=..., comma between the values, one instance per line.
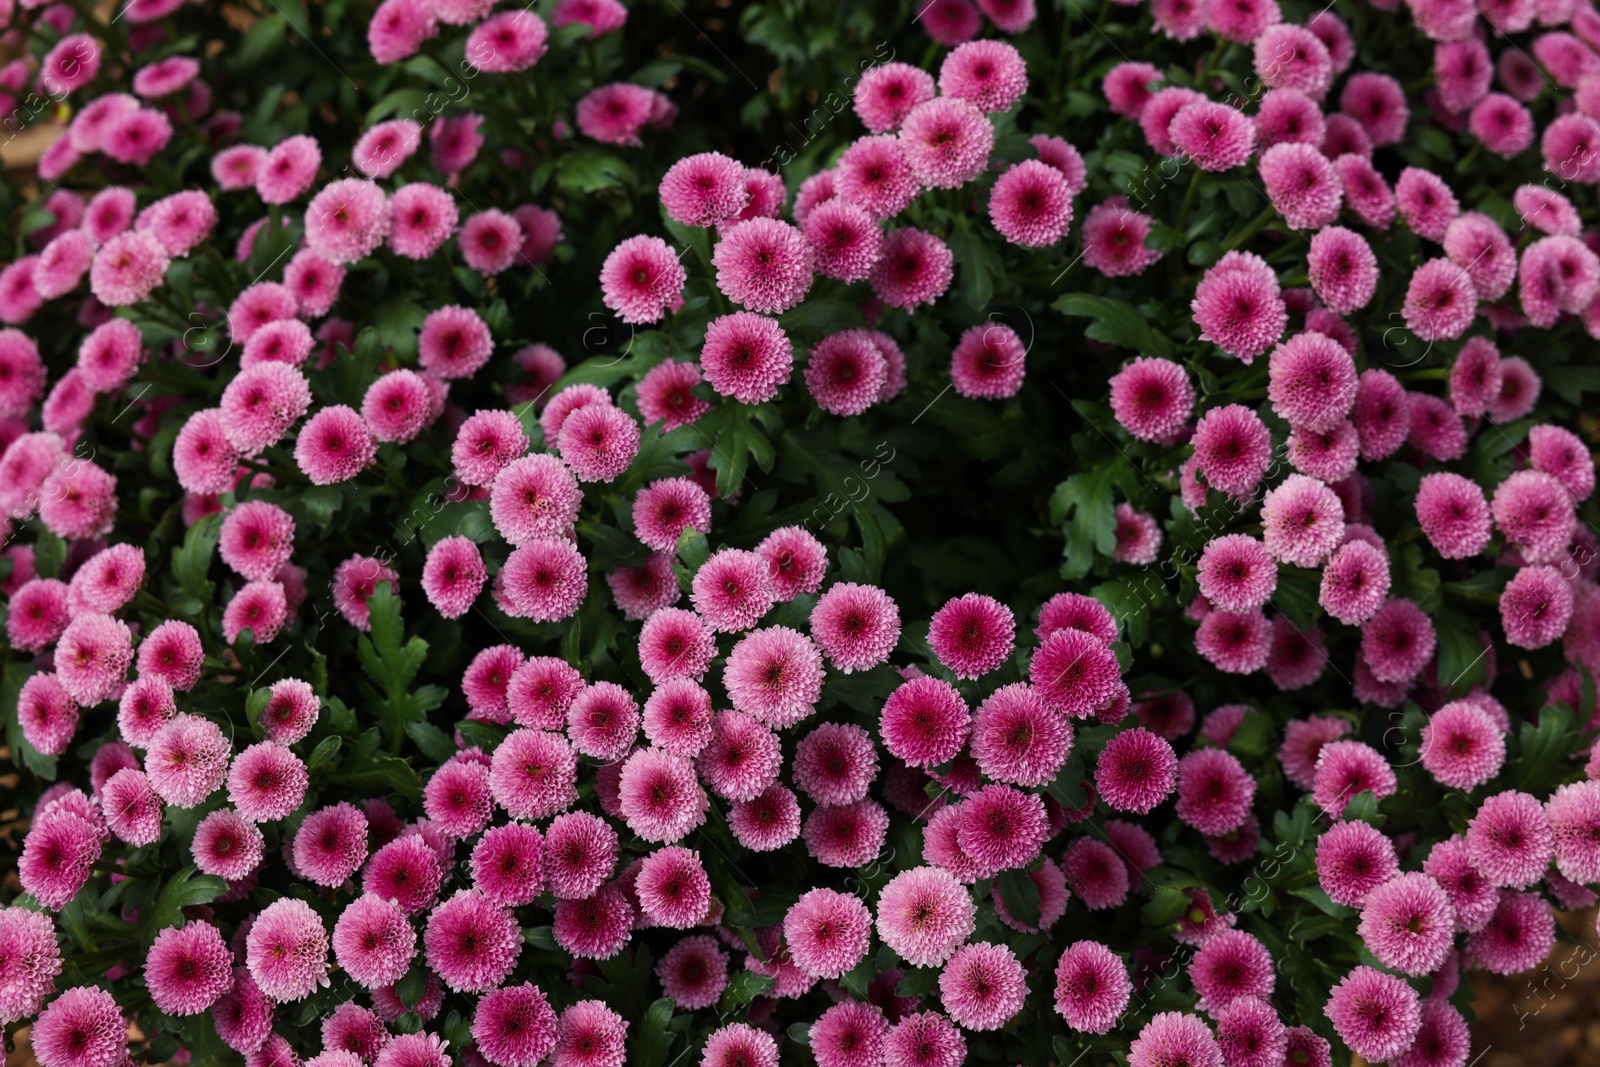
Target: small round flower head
x=1574, y=814
x=30, y=960
x=673, y=888
x=352, y=1028
x=732, y=591
x=1019, y=740
x=57, y=854
x=1535, y=607
x=594, y=928
x=675, y=643
x=331, y=844
x=422, y=218
x=285, y=341
x=988, y=74
x=972, y=634
x=287, y=950
x=849, y=1034
x=1476, y=243
x=1519, y=390
x=1441, y=301
x=145, y=707
x=457, y=799
x=1114, y=239
x=1096, y=873
x=1377, y=1015
x=615, y=113
x=1343, y=269
x=454, y=342
x=1237, y=573
x=1172, y=1037
x=1347, y=768
x=347, y=220
x=1136, y=771
x=507, y=864
x=1302, y=519
x=407, y=871
x=846, y=835
x=580, y=854
x=1092, y=987
x=1453, y=514
x=1288, y=116
x=288, y=169
x=768, y=821
x=1234, y=642
x=916, y=268
x=746, y=357
x=846, y=373
x=835, y=763
x=739, y=1045
x=764, y=264
x=947, y=142
x=37, y=614
x=1127, y=87
x=988, y=362
x=107, y=359
x=1382, y=414
x=1559, y=453
x=603, y=721
x=704, y=189
x=1233, y=447
x=1213, y=136
x=1510, y=841
x=983, y=986
x=775, y=675
x=334, y=445
x=354, y=582
x=1075, y=673
x=257, y=539
x=108, y=579
x=1250, y=1034
x=203, y=457
x=373, y=941
x=827, y=932
x=453, y=576
x=666, y=395
x=1214, y=791
x=1031, y=204
x=1152, y=398
x=1436, y=430
x=856, y=626
x=508, y=41
x=127, y=268
x=515, y=1026
x=532, y=497
x=590, y=1035
x=1229, y=966
x=1462, y=747
x=887, y=92
x=47, y=714
x=642, y=279
x=132, y=809
x=1442, y=1040
x=471, y=942
x=544, y=580
x=875, y=175
x=267, y=782
x=1408, y=924
x=1398, y=641
x=382, y=149
x=82, y=1027
x=227, y=844
x=924, y=914
x=924, y=722
x=1302, y=185
x=1517, y=938
x=187, y=760
x=693, y=972
x=1353, y=859
x=1001, y=828
x=659, y=796
x=1472, y=898
x=1426, y=204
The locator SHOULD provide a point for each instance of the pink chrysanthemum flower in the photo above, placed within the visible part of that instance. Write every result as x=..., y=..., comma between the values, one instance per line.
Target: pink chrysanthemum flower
x=1302, y=519
x=1031, y=204
x=603, y=721
x=227, y=844
x=331, y=844
x=1408, y=924
x=288, y=169
x=287, y=950
x=1443, y=1038
x=1018, y=739
x=1312, y=381
x=850, y=1034
x=659, y=796
x=203, y=458
x=693, y=972
x=285, y=341
x=257, y=539
x=1152, y=398
x=1574, y=814
x=1510, y=840
x=642, y=279
x=1229, y=966
x=334, y=445
x=874, y=174
x=457, y=799
x=1453, y=514
x=666, y=395
x=508, y=864
x=746, y=357
x=1425, y=202
x=79, y=500
x=768, y=821
x=614, y=114
x=540, y=692
x=1346, y=768
x=1234, y=642
x=471, y=942
x=1233, y=448
x=352, y=1028
x=187, y=760
x=422, y=218
x=887, y=92
x=990, y=75
x=1436, y=430
x=590, y=1035
x=1398, y=641
x=1377, y=1015
x=580, y=854
x=267, y=782
x=916, y=268
x=132, y=809
x=675, y=643
x=925, y=722
x=57, y=854
x=775, y=674
x=373, y=941
x=947, y=141
x=672, y=888
x=83, y=1027
x=1382, y=414
x=1172, y=1037
x=1237, y=305
x=1114, y=239
x=1301, y=184
x=47, y=714
x=1535, y=606
x=347, y=220
x=924, y=914
x=453, y=576
x=764, y=264
x=1560, y=453
x=846, y=835
x=835, y=763
x=533, y=497
x=1353, y=859
x=1250, y=1034
x=1535, y=513
x=1096, y=873
x=988, y=362
x=1092, y=988
x=1473, y=899
x=1237, y=573
x=1288, y=116
x=545, y=580
x=1462, y=747
x=454, y=342
x=1075, y=673
x=1519, y=390
x=1215, y=792
x=704, y=189
x=1441, y=301
x=1136, y=771
x=983, y=986
x=107, y=359
x=1127, y=87
x=127, y=268
x=407, y=871
x=856, y=626
x=1213, y=136
x=1517, y=938
x=827, y=932
x=515, y=1026
x=1076, y=611
x=1476, y=243
x=1001, y=828
x=354, y=582
x=846, y=373
x=732, y=591
x=596, y=927
x=972, y=635
x=30, y=960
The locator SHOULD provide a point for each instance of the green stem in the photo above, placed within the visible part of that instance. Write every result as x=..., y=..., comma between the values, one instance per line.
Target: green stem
x=1188, y=200
x=1256, y=225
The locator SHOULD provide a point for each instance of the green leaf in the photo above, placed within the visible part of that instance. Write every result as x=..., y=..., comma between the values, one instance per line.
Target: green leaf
x=325, y=751
x=392, y=662
x=918, y=982
x=413, y=987
x=184, y=889
x=1165, y=906
x=1463, y=656
x=1020, y=896
x=1542, y=749
x=192, y=560
x=1115, y=323
x=1314, y=926
x=650, y=1041
x=1085, y=507
x=800, y=1033
x=693, y=549
x=372, y=773
x=485, y=735
x=980, y=263
x=434, y=742
x=742, y=989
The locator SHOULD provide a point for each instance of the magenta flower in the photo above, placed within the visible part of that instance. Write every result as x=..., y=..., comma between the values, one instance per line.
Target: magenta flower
x=1136, y=771
x=1017, y=739
x=287, y=950
x=1376, y=1014
x=924, y=914
x=83, y=1027
x=1175, y=1037
x=515, y=1026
